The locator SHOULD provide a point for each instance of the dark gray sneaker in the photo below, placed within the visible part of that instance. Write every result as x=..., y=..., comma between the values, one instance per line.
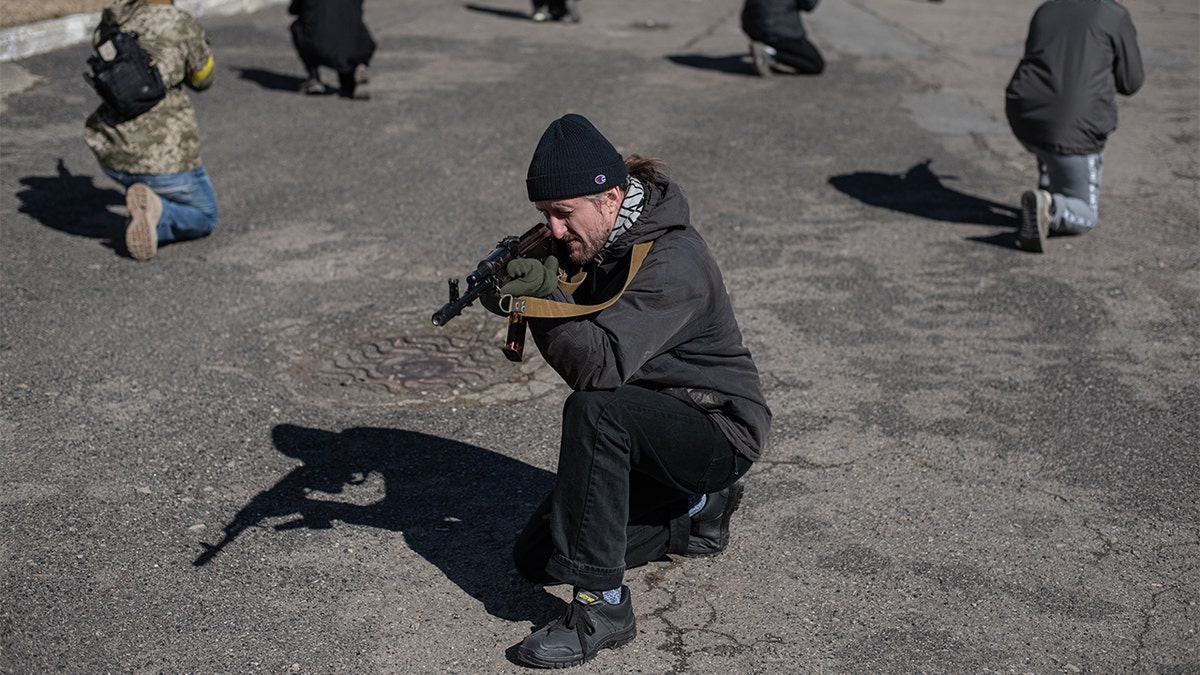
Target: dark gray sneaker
x=710, y=527
x=1035, y=221
x=589, y=625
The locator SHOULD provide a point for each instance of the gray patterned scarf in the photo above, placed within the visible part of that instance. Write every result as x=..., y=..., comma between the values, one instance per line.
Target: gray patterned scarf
x=631, y=210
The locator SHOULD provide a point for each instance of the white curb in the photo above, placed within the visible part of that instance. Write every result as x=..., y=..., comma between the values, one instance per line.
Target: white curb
x=19, y=42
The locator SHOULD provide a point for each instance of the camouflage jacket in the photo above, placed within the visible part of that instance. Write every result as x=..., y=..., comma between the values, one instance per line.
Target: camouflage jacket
x=164, y=139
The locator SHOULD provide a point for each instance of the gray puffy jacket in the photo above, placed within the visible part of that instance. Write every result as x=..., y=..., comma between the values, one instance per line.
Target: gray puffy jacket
x=1078, y=56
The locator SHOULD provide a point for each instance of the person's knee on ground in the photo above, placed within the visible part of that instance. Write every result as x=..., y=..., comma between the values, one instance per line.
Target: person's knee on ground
x=1071, y=216
x=801, y=56
x=1073, y=182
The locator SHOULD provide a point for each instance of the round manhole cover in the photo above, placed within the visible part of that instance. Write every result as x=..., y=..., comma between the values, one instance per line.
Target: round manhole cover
x=421, y=363
x=437, y=362
x=417, y=370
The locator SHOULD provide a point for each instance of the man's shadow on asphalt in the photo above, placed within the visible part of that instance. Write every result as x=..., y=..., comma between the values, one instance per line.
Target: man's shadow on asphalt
x=497, y=11
x=921, y=192
x=458, y=506
x=733, y=64
x=73, y=204
x=269, y=79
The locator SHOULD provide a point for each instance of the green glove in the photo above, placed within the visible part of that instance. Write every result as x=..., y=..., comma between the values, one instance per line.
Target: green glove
x=531, y=277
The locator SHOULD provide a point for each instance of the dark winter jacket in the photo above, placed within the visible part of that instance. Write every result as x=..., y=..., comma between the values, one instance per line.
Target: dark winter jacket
x=774, y=20
x=672, y=330
x=332, y=33
x=1078, y=56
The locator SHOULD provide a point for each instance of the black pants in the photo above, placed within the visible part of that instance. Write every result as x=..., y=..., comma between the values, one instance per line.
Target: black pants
x=800, y=54
x=628, y=460
x=343, y=61
x=556, y=8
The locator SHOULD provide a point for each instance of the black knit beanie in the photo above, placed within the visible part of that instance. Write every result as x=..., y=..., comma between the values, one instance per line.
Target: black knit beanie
x=573, y=159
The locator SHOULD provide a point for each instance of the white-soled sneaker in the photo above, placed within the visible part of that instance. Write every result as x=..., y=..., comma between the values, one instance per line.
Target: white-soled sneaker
x=762, y=60
x=145, y=210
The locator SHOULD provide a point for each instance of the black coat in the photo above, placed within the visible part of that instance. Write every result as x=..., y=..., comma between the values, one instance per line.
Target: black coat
x=332, y=33
x=1078, y=56
x=774, y=20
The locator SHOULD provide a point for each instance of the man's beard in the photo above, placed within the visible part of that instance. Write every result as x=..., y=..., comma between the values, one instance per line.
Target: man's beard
x=580, y=251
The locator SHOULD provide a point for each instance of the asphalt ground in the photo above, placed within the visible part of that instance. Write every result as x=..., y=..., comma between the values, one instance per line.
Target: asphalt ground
x=255, y=454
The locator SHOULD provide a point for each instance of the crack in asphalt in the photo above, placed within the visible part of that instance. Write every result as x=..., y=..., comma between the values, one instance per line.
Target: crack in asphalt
x=712, y=29
x=1142, y=639
x=675, y=637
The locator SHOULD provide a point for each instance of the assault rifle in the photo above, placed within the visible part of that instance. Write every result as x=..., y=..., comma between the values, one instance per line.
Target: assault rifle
x=490, y=274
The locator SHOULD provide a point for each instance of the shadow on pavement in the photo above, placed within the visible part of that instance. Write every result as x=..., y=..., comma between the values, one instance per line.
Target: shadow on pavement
x=734, y=64
x=73, y=204
x=458, y=506
x=504, y=13
x=268, y=79
x=921, y=192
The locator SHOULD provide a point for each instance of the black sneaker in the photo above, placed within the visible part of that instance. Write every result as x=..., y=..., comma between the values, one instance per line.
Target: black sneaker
x=710, y=527
x=589, y=625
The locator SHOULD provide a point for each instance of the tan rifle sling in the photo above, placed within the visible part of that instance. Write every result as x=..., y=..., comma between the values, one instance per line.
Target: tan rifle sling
x=543, y=308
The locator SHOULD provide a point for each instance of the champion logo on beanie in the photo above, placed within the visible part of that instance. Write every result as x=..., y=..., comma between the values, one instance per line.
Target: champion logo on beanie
x=573, y=159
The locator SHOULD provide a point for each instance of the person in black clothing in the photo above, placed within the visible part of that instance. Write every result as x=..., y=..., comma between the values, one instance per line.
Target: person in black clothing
x=777, y=36
x=666, y=412
x=331, y=33
x=1061, y=104
x=556, y=10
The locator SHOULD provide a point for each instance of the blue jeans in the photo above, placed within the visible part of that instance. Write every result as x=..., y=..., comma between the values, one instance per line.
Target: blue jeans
x=628, y=462
x=188, y=201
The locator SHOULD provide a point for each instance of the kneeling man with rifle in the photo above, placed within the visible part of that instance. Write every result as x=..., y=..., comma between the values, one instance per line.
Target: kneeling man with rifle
x=667, y=412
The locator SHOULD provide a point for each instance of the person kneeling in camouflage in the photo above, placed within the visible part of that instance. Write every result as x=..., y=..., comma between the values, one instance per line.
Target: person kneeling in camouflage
x=156, y=154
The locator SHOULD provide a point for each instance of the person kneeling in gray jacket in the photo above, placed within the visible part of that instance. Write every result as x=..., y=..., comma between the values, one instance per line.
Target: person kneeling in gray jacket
x=1061, y=104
